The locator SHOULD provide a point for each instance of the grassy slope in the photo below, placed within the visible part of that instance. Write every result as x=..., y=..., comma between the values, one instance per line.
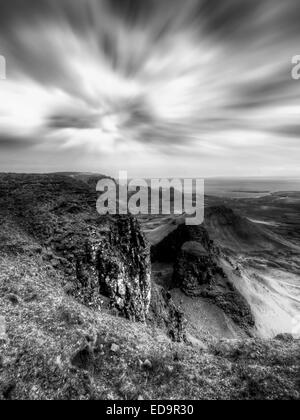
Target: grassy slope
x=53, y=347
x=45, y=330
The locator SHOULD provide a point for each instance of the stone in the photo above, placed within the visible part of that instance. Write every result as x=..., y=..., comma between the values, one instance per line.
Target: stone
x=170, y=369
x=147, y=364
x=114, y=348
x=3, y=335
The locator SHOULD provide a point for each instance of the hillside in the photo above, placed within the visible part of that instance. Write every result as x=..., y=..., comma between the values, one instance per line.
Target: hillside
x=81, y=318
x=236, y=233
x=259, y=260
x=262, y=261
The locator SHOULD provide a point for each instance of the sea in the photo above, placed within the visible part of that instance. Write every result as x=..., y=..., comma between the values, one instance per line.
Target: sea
x=249, y=187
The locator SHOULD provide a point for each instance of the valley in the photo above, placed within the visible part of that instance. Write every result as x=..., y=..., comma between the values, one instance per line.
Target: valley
x=260, y=255
x=92, y=309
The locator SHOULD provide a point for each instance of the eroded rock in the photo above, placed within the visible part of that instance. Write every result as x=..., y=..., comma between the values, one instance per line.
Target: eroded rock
x=165, y=314
x=124, y=270
x=194, y=267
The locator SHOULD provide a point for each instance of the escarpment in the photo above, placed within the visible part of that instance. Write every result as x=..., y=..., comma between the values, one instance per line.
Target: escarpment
x=165, y=314
x=194, y=267
x=80, y=317
x=193, y=255
x=100, y=258
x=98, y=255
x=197, y=271
x=113, y=261
x=124, y=271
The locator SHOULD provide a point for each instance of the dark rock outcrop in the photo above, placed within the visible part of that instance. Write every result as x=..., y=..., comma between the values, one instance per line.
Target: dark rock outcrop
x=194, y=256
x=165, y=314
x=112, y=260
x=194, y=267
x=286, y=338
x=124, y=271
x=170, y=247
x=198, y=272
x=233, y=304
x=98, y=255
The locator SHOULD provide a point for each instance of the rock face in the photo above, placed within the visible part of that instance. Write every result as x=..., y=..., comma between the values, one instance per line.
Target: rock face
x=198, y=273
x=169, y=249
x=111, y=261
x=194, y=256
x=166, y=315
x=98, y=255
x=194, y=267
x=124, y=271
x=54, y=244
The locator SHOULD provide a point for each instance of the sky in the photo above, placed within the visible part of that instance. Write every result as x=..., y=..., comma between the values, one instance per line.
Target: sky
x=160, y=88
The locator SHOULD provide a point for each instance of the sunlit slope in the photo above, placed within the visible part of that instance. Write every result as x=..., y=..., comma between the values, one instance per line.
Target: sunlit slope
x=239, y=234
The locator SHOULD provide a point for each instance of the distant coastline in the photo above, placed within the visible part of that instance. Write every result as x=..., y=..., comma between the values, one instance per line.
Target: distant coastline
x=251, y=192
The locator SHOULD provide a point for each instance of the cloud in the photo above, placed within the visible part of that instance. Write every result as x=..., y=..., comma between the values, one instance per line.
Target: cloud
x=59, y=121
x=8, y=141
x=290, y=131
x=200, y=78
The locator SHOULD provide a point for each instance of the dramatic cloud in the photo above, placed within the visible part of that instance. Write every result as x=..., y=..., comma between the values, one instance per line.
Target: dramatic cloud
x=154, y=86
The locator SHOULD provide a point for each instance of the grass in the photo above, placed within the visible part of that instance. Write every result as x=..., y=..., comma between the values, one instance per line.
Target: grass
x=56, y=348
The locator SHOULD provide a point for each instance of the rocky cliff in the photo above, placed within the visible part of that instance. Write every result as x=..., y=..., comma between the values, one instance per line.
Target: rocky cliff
x=124, y=270
x=69, y=281
x=97, y=255
x=194, y=268
x=101, y=258
x=198, y=272
x=166, y=315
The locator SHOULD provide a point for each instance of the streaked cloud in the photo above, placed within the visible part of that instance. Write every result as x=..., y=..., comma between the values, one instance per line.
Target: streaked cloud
x=161, y=86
